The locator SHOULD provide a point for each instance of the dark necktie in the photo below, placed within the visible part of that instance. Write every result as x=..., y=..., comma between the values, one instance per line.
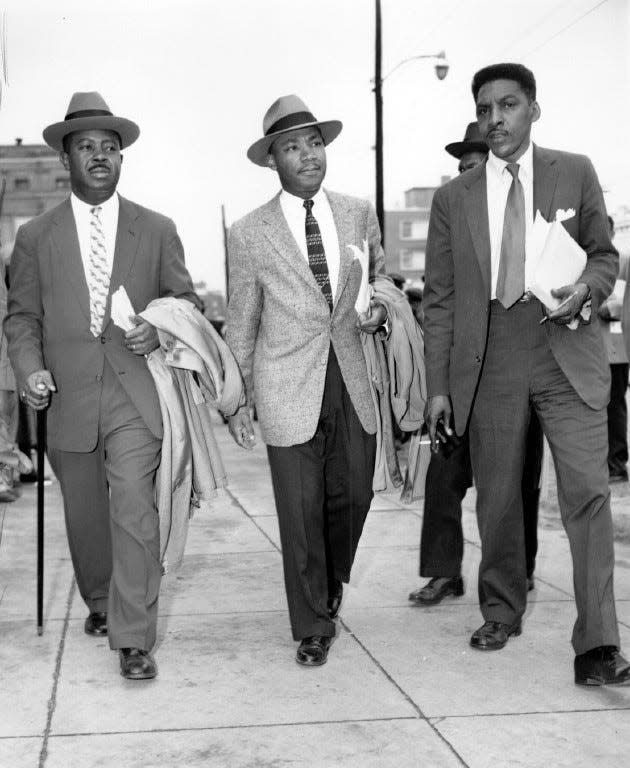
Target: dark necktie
x=316, y=254
x=511, y=277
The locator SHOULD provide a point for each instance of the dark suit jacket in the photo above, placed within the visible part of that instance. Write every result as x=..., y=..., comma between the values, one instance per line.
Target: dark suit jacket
x=48, y=321
x=457, y=292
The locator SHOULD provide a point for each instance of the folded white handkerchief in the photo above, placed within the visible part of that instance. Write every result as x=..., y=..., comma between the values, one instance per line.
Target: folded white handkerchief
x=122, y=309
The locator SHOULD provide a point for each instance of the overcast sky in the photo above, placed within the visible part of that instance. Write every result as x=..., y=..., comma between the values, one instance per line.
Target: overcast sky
x=198, y=76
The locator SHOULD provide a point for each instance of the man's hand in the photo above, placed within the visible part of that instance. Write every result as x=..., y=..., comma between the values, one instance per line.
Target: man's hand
x=36, y=391
x=572, y=299
x=374, y=318
x=142, y=339
x=241, y=429
x=438, y=409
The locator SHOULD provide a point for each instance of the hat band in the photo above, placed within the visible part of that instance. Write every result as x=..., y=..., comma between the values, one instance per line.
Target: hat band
x=88, y=113
x=290, y=121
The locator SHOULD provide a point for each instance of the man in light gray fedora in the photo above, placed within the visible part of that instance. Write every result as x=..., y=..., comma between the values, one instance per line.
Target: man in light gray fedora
x=104, y=420
x=293, y=328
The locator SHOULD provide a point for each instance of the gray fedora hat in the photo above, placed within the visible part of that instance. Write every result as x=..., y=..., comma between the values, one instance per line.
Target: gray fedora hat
x=289, y=113
x=472, y=143
x=89, y=110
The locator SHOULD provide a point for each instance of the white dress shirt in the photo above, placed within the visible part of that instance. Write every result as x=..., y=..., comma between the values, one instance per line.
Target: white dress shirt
x=109, y=221
x=295, y=214
x=498, y=183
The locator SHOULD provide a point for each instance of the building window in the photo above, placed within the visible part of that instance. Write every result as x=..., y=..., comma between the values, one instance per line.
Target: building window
x=412, y=260
x=62, y=183
x=414, y=229
x=21, y=185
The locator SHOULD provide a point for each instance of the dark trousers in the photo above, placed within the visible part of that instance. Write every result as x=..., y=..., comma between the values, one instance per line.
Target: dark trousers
x=618, y=419
x=112, y=521
x=519, y=372
x=448, y=479
x=323, y=491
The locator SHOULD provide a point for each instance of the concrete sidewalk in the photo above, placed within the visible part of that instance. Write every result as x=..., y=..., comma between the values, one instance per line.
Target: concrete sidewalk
x=401, y=688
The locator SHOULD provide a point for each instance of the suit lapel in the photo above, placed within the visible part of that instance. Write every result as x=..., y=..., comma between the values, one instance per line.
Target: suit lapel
x=545, y=180
x=476, y=208
x=127, y=242
x=66, y=242
x=346, y=234
x=279, y=235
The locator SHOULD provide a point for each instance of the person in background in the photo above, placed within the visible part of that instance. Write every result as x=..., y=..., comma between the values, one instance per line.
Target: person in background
x=610, y=320
x=450, y=475
x=8, y=401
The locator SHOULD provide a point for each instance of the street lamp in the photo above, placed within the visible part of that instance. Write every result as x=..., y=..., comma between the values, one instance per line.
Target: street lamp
x=441, y=70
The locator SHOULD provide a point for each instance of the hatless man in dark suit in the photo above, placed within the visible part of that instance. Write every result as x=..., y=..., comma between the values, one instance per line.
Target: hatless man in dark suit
x=493, y=352
x=104, y=421
x=449, y=474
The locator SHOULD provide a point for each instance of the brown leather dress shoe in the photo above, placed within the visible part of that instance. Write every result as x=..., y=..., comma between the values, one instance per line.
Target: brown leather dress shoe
x=435, y=590
x=601, y=666
x=493, y=635
x=313, y=651
x=96, y=623
x=136, y=664
x=335, y=596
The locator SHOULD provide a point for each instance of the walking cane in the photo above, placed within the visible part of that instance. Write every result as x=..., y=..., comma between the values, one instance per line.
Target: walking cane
x=41, y=452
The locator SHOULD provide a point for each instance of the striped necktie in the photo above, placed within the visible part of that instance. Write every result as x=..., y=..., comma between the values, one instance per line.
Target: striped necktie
x=98, y=272
x=316, y=255
x=511, y=277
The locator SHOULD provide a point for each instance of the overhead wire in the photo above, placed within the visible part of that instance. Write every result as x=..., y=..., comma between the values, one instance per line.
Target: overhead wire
x=567, y=26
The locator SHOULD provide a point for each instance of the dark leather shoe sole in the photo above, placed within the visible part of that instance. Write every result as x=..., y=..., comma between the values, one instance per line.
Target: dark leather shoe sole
x=496, y=645
x=455, y=587
x=137, y=667
x=96, y=627
x=313, y=655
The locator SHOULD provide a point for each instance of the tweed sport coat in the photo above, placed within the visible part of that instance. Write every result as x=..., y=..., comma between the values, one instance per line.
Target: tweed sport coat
x=48, y=321
x=279, y=326
x=457, y=291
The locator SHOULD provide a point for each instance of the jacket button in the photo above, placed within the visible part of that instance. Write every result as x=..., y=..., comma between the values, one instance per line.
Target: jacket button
x=99, y=377
x=477, y=358
x=103, y=339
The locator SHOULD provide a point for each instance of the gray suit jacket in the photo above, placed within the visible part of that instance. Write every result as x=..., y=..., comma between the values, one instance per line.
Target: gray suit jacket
x=279, y=326
x=48, y=321
x=457, y=292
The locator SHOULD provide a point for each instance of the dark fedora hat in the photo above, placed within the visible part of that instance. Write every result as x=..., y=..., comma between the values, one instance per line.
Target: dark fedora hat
x=89, y=110
x=472, y=143
x=289, y=113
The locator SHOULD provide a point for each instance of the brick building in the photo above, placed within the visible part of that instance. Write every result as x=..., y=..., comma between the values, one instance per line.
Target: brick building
x=32, y=180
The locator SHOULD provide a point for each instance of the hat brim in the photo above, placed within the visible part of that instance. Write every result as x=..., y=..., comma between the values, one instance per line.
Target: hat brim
x=259, y=150
x=459, y=148
x=126, y=129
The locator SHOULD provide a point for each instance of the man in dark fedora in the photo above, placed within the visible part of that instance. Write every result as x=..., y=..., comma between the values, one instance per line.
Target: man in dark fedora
x=493, y=352
x=104, y=421
x=293, y=328
x=449, y=474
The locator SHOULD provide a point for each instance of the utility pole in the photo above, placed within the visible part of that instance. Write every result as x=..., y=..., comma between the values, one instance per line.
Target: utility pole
x=378, y=102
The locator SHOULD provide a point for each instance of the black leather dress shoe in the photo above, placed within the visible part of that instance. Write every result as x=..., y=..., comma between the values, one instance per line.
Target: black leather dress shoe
x=601, y=666
x=335, y=595
x=313, y=651
x=531, y=583
x=493, y=635
x=96, y=623
x=619, y=476
x=136, y=664
x=435, y=590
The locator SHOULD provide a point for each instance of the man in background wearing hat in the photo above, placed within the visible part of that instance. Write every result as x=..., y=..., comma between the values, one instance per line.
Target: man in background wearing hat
x=293, y=328
x=493, y=352
x=449, y=475
x=104, y=421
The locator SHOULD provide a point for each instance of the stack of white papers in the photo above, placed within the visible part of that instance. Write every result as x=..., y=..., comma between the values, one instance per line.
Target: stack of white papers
x=557, y=259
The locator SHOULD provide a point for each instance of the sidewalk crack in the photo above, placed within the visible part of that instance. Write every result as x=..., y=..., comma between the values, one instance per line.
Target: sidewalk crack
x=52, y=701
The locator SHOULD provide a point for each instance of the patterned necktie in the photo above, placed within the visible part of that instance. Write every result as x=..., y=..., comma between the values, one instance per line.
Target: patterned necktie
x=316, y=255
x=98, y=272
x=511, y=278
